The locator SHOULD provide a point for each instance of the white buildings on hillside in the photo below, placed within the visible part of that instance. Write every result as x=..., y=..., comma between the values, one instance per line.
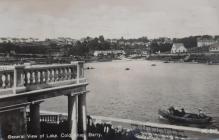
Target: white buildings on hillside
x=178, y=48
x=214, y=48
x=205, y=42
x=109, y=52
x=17, y=40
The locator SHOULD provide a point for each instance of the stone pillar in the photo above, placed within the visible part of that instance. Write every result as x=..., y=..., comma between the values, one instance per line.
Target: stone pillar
x=78, y=73
x=72, y=116
x=18, y=79
x=35, y=119
x=81, y=69
x=82, y=115
x=25, y=121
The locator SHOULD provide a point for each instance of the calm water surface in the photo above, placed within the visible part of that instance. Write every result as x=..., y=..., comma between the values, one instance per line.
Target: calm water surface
x=139, y=93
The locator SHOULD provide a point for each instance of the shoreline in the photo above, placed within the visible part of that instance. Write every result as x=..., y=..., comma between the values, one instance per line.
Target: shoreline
x=142, y=59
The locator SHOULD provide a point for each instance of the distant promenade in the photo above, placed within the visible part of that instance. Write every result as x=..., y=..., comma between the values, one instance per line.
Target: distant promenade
x=206, y=58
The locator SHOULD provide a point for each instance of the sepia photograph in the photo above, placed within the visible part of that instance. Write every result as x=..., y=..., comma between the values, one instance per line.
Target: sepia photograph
x=109, y=70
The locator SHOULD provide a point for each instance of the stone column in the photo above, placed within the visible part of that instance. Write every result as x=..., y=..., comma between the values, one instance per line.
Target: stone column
x=35, y=119
x=78, y=73
x=72, y=116
x=18, y=79
x=25, y=121
x=82, y=115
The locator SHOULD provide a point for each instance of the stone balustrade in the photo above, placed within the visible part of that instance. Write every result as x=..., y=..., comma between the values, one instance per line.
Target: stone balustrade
x=21, y=78
x=48, y=118
x=39, y=74
x=6, y=79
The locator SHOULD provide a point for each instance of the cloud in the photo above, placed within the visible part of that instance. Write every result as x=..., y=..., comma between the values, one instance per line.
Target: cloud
x=112, y=18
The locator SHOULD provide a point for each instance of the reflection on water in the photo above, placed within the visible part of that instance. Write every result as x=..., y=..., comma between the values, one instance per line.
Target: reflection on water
x=138, y=93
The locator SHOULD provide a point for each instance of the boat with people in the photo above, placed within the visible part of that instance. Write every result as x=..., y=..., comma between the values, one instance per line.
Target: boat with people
x=177, y=116
x=90, y=68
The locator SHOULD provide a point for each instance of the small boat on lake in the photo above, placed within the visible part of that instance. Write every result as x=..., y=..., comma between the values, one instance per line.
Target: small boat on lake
x=153, y=64
x=89, y=68
x=186, y=118
x=166, y=62
x=127, y=68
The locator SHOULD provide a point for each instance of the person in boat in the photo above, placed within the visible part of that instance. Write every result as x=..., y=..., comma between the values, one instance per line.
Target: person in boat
x=183, y=112
x=173, y=111
x=201, y=114
x=176, y=112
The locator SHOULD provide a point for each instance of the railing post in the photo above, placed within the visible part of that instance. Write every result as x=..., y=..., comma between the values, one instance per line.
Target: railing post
x=81, y=69
x=78, y=71
x=18, y=78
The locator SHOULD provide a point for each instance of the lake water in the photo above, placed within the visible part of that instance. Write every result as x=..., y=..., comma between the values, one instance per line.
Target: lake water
x=138, y=93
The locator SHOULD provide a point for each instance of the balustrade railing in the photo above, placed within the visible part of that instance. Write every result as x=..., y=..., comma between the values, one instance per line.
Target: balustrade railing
x=21, y=77
x=49, y=118
x=6, y=79
x=56, y=73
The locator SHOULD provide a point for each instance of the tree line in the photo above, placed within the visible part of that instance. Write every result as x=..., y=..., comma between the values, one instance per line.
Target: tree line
x=88, y=45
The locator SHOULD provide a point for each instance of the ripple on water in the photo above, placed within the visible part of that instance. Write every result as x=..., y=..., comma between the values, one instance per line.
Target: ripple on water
x=141, y=91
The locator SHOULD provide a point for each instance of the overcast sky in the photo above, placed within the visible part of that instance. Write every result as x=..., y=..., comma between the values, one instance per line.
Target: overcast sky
x=111, y=18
